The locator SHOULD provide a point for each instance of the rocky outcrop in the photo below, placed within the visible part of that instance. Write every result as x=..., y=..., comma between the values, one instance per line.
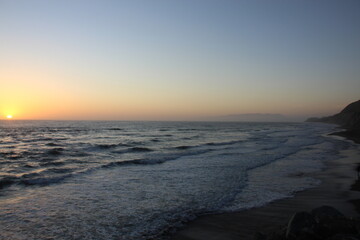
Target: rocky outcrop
x=302, y=223
x=325, y=212
x=323, y=223
x=348, y=118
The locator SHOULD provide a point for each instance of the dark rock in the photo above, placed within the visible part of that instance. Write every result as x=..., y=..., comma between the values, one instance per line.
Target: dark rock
x=352, y=107
x=331, y=226
x=305, y=236
x=302, y=223
x=324, y=212
x=260, y=236
x=324, y=223
x=344, y=237
x=353, y=135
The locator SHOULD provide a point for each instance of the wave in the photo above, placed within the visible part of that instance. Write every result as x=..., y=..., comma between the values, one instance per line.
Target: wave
x=30, y=175
x=131, y=144
x=44, y=181
x=36, y=139
x=7, y=181
x=110, y=146
x=133, y=162
x=40, y=178
x=79, y=154
x=141, y=149
x=55, y=151
x=52, y=163
x=51, y=144
x=183, y=147
x=187, y=129
x=11, y=155
x=31, y=179
x=223, y=143
x=60, y=170
x=156, y=159
x=106, y=146
x=120, y=163
x=30, y=166
x=8, y=147
x=133, y=150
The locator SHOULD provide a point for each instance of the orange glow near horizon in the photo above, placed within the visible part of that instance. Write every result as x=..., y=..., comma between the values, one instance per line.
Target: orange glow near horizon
x=45, y=93
x=9, y=116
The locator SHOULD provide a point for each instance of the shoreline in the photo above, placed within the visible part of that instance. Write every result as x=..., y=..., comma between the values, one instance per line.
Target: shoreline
x=339, y=188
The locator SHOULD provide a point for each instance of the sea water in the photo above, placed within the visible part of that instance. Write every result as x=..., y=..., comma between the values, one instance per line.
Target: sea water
x=137, y=180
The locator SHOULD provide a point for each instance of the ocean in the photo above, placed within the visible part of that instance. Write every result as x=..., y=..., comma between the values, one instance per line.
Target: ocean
x=141, y=180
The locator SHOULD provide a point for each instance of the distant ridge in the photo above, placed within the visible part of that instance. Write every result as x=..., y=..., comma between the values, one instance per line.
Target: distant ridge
x=254, y=117
x=348, y=118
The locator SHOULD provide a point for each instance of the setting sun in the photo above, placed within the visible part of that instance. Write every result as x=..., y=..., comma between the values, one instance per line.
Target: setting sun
x=9, y=116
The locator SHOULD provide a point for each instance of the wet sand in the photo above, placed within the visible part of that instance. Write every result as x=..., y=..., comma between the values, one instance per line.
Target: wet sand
x=337, y=189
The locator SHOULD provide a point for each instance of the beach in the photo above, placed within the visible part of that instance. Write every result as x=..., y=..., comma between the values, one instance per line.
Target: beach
x=339, y=188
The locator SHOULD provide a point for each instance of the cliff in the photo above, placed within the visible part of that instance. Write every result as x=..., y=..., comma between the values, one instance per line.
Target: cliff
x=348, y=118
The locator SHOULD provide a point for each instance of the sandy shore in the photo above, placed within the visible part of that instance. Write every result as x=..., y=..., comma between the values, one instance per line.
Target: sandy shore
x=335, y=190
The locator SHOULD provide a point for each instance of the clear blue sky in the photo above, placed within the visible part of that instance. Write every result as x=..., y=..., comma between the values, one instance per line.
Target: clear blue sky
x=164, y=59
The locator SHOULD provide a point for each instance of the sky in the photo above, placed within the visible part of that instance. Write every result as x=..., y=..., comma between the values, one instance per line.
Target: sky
x=177, y=60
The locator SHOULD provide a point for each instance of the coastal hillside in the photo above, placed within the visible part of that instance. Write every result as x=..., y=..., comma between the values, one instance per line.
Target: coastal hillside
x=348, y=118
